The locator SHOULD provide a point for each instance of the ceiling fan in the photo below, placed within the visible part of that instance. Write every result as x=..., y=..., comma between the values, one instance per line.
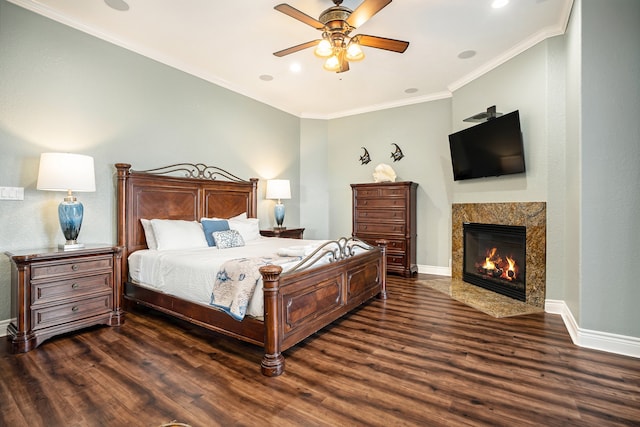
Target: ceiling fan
x=336, y=23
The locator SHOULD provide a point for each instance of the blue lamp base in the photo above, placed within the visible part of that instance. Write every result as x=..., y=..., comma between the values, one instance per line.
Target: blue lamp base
x=278, y=212
x=70, y=213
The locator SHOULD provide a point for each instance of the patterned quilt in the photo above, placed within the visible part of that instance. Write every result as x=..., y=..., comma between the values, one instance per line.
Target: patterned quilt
x=236, y=281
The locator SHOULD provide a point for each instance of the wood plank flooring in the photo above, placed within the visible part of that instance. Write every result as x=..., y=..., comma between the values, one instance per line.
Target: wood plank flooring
x=419, y=358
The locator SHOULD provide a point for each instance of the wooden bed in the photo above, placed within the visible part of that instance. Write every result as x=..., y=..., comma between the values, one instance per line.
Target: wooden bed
x=296, y=303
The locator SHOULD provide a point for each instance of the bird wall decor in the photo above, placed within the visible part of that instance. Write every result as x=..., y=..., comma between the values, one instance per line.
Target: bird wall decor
x=397, y=154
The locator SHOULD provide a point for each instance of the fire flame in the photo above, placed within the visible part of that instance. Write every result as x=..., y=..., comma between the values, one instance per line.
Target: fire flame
x=497, y=267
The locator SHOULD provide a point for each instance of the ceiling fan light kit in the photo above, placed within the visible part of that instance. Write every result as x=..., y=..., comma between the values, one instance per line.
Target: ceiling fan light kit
x=336, y=23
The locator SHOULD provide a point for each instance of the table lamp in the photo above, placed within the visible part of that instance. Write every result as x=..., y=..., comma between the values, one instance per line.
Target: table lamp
x=67, y=172
x=278, y=189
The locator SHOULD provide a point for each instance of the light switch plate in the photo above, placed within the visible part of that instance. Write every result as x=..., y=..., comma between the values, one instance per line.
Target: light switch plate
x=11, y=193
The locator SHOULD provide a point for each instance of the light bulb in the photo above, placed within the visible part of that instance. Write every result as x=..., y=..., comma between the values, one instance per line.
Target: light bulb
x=332, y=64
x=324, y=49
x=354, y=52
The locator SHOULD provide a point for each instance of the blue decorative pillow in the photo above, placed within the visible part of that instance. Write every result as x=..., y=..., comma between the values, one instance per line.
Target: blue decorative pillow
x=210, y=225
x=227, y=239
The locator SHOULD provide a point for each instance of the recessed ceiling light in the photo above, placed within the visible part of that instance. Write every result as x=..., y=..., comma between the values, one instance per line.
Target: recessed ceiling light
x=411, y=90
x=266, y=77
x=295, y=67
x=120, y=5
x=467, y=54
x=497, y=4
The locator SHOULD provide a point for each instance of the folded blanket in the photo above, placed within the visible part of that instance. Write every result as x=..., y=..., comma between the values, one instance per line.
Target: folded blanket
x=299, y=251
x=236, y=281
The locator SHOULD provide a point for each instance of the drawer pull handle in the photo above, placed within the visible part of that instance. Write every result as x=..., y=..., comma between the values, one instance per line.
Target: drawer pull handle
x=75, y=286
x=74, y=267
x=74, y=308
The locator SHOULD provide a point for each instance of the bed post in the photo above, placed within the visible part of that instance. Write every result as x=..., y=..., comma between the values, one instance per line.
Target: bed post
x=382, y=244
x=123, y=172
x=273, y=362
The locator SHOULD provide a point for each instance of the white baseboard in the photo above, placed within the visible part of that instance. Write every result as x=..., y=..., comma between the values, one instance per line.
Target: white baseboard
x=434, y=269
x=3, y=326
x=612, y=343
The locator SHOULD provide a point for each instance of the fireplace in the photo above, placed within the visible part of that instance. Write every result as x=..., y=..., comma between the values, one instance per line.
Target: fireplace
x=532, y=216
x=494, y=258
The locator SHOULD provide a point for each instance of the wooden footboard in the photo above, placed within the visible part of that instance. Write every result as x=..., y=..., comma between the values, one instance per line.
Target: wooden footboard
x=300, y=303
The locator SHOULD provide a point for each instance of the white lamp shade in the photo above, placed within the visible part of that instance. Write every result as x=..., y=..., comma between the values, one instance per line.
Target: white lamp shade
x=66, y=172
x=278, y=189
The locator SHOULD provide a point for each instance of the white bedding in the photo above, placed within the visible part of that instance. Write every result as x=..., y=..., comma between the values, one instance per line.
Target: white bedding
x=190, y=273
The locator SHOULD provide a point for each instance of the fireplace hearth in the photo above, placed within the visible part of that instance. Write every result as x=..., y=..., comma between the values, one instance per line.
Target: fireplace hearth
x=495, y=258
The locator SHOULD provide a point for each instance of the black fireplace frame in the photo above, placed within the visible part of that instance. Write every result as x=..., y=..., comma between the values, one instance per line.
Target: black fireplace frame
x=501, y=288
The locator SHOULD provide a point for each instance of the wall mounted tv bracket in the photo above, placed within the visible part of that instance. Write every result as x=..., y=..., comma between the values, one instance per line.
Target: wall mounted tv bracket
x=481, y=117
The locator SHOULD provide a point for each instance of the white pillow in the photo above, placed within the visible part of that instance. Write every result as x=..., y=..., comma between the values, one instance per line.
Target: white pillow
x=243, y=215
x=148, y=234
x=249, y=228
x=178, y=234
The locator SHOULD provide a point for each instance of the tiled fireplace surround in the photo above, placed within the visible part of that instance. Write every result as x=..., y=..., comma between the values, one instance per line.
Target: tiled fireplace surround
x=532, y=215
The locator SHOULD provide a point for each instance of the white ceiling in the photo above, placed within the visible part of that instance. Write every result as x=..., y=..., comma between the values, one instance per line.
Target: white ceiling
x=231, y=43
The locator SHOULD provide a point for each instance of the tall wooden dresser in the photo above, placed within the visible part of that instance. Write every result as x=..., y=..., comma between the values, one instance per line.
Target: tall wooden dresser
x=388, y=211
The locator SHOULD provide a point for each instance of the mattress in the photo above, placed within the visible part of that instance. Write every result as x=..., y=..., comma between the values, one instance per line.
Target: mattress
x=190, y=273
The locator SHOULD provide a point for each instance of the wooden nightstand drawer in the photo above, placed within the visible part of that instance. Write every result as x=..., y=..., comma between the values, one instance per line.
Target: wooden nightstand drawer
x=78, y=265
x=71, y=311
x=44, y=292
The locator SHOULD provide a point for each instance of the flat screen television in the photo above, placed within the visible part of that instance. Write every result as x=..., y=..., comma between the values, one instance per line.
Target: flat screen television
x=492, y=148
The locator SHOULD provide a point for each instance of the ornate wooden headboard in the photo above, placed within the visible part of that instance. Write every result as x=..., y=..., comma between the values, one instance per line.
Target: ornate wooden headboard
x=201, y=191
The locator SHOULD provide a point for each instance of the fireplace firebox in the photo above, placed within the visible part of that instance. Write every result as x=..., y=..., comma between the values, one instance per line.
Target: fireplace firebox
x=494, y=258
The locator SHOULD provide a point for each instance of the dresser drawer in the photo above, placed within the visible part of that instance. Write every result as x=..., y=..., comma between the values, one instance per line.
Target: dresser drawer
x=396, y=260
x=381, y=215
x=44, y=292
x=392, y=244
x=78, y=265
x=397, y=203
x=68, y=312
x=381, y=191
x=381, y=228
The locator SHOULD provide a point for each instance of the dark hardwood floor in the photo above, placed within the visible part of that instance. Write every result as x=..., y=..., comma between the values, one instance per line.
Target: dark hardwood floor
x=418, y=358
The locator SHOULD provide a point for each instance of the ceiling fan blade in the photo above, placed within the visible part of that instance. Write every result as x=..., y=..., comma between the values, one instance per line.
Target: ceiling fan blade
x=366, y=10
x=300, y=16
x=296, y=48
x=382, y=43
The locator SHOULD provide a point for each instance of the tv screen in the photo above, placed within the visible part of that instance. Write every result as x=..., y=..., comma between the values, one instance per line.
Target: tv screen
x=492, y=148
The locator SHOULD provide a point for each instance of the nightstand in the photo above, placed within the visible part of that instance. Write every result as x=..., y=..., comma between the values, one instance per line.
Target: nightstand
x=55, y=291
x=290, y=233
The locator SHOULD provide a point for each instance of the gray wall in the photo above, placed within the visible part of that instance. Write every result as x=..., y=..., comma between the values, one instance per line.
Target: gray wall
x=610, y=160
x=421, y=131
x=62, y=90
x=528, y=83
x=314, y=188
